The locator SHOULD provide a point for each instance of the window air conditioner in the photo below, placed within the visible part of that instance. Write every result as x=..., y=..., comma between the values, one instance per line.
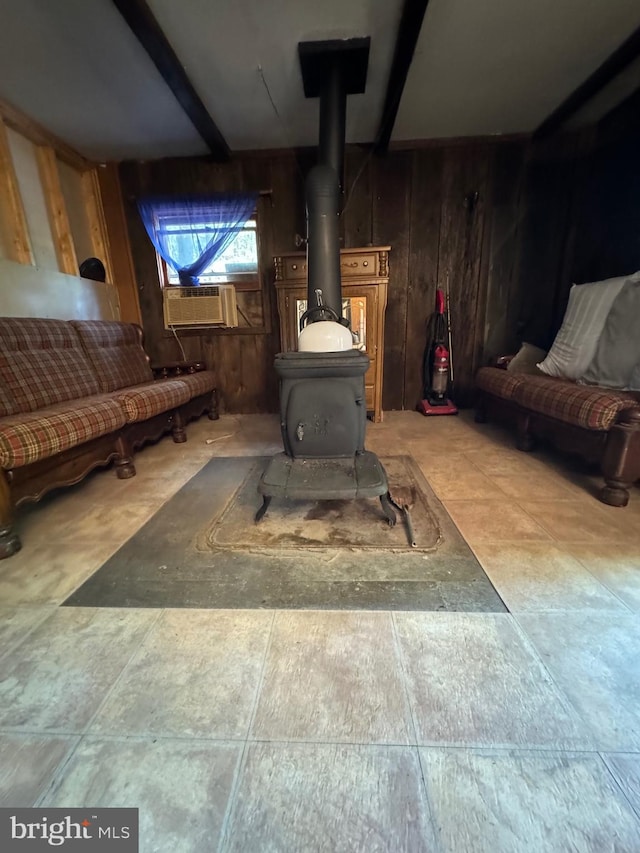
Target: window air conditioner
x=206, y=305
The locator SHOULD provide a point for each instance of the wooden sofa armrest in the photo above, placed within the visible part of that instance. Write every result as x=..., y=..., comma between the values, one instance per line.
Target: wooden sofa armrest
x=502, y=361
x=177, y=368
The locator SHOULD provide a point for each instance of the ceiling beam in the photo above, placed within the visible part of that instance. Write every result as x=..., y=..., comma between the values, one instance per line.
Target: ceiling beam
x=610, y=68
x=145, y=27
x=621, y=122
x=406, y=40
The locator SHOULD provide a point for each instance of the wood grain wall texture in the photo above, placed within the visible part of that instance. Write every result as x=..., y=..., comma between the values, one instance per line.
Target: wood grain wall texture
x=500, y=223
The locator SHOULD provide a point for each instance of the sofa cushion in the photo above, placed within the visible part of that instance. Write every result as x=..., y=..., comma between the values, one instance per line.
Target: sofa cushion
x=27, y=437
x=618, y=350
x=584, y=319
x=41, y=363
x=199, y=383
x=581, y=405
x=498, y=382
x=116, y=353
x=152, y=398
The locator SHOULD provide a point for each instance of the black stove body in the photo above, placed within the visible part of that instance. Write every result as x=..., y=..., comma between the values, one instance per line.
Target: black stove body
x=322, y=404
x=322, y=394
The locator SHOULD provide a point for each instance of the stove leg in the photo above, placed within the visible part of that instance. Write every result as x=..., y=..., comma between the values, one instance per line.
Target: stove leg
x=266, y=500
x=388, y=510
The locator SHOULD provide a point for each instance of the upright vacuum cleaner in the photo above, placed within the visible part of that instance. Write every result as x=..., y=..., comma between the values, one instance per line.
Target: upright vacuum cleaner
x=437, y=368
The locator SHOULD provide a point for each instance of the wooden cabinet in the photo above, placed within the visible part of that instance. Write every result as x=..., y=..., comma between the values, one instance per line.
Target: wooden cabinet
x=365, y=277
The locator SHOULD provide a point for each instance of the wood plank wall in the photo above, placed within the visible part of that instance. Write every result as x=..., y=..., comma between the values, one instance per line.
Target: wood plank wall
x=502, y=223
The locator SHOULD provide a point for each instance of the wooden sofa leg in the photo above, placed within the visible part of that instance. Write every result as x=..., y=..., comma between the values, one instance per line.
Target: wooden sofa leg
x=621, y=460
x=177, y=430
x=9, y=540
x=213, y=414
x=125, y=469
x=524, y=440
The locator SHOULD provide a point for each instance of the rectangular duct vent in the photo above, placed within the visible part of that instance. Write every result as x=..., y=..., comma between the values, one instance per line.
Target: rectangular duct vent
x=200, y=306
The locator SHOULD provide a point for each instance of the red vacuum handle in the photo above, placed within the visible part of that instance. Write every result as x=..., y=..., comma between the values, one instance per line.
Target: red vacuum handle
x=439, y=301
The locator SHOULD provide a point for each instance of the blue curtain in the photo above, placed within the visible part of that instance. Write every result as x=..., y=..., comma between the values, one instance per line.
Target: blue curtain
x=190, y=232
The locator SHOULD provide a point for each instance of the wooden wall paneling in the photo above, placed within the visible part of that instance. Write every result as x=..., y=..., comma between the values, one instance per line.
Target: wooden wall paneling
x=545, y=210
x=135, y=180
x=196, y=175
x=503, y=231
x=305, y=159
x=243, y=363
x=244, y=369
x=256, y=176
x=464, y=178
x=287, y=218
x=13, y=220
x=426, y=206
x=95, y=217
x=288, y=212
x=498, y=251
x=604, y=234
x=617, y=169
x=391, y=220
x=357, y=212
x=121, y=260
x=580, y=257
x=57, y=210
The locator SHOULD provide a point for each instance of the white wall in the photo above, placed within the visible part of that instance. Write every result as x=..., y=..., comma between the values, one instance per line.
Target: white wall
x=25, y=163
x=27, y=291
x=71, y=184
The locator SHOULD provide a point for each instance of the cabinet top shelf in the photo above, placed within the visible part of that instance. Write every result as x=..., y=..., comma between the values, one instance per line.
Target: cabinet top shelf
x=356, y=264
x=350, y=250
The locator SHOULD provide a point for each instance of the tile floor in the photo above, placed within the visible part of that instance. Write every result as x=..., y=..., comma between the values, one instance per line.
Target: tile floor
x=297, y=731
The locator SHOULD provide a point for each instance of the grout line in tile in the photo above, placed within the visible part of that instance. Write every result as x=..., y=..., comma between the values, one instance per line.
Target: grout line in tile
x=405, y=685
x=51, y=608
x=118, y=679
x=242, y=760
x=617, y=783
x=603, y=583
x=403, y=675
x=58, y=772
x=584, y=725
x=507, y=749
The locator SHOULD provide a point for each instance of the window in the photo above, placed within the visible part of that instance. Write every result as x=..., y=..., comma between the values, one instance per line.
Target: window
x=237, y=265
x=210, y=239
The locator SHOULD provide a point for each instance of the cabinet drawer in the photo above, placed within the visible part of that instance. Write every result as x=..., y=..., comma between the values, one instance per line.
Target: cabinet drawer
x=295, y=269
x=358, y=265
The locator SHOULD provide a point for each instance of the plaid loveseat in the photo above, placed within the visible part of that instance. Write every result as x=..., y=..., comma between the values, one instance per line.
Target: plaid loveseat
x=600, y=424
x=78, y=394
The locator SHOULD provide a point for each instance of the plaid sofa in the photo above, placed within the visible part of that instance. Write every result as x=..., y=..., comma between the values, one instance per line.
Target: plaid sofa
x=600, y=424
x=77, y=394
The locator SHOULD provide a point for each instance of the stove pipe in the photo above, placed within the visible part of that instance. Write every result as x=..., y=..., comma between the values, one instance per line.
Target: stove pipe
x=322, y=192
x=333, y=117
x=323, y=242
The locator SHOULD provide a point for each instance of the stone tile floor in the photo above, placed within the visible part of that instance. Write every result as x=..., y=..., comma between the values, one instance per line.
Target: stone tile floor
x=339, y=731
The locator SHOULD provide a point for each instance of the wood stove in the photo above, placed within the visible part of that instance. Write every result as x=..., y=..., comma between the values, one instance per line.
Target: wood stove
x=322, y=388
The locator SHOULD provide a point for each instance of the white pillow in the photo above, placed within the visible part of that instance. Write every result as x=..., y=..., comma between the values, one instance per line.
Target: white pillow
x=576, y=342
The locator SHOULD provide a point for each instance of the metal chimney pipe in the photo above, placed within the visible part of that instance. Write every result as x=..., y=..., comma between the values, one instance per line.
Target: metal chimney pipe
x=323, y=240
x=333, y=117
x=322, y=190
